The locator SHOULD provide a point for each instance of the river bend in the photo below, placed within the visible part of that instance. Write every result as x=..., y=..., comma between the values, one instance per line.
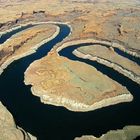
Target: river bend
x=57, y=123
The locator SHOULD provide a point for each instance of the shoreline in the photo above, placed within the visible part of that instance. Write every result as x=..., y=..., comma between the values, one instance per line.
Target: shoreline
x=30, y=23
x=127, y=132
x=80, y=107
x=107, y=63
x=9, y=126
x=116, y=67
x=90, y=40
x=29, y=52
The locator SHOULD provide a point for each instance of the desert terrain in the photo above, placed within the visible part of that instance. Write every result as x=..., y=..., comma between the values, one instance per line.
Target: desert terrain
x=105, y=32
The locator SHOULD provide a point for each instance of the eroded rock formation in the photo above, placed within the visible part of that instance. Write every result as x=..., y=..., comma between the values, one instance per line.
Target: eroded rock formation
x=9, y=130
x=106, y=56
x=25, y=43
x=74, y=85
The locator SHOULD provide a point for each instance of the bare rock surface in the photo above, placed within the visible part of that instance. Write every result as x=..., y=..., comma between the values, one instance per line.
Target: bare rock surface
x=74, y=85
x=57, y=80
x=127, y=133
x=106, y=56
x=25, y=43
x=9, y=130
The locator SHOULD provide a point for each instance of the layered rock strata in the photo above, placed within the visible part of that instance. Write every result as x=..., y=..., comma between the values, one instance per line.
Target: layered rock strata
x=108, y=58
x=111, y=59
x=74, y=85
x=26, y=43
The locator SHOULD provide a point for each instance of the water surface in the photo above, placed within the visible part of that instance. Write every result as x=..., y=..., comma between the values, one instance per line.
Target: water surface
x=6, y=36
x=57, y=123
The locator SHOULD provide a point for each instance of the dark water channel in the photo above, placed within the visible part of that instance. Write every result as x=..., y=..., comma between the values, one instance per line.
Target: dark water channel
x=57, y=123
x=6, y=36
x=133, y=58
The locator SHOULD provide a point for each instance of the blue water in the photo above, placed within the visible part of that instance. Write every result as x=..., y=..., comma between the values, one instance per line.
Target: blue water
x=121, y=114
x=133, y=58
x=4, y=37
x=57, y=123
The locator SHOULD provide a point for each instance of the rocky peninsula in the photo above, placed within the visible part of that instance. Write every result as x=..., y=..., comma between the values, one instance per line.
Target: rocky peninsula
x=25, y=43
x=103, y=26
x=110, y=58
x=59, y=81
